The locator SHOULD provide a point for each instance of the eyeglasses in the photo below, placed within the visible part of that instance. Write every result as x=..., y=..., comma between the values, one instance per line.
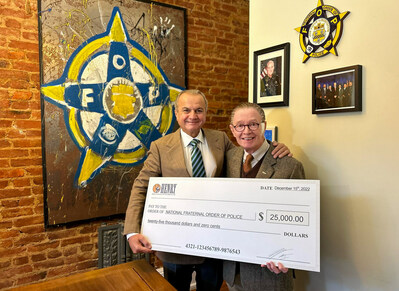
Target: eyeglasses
x=251, y=126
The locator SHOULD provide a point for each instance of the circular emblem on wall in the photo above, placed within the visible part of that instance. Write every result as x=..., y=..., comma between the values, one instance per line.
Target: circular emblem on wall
x=321, y=31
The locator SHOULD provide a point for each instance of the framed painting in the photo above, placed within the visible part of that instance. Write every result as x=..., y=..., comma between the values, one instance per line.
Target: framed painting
x=110, y=73
x=272, y=76
x=338, y=90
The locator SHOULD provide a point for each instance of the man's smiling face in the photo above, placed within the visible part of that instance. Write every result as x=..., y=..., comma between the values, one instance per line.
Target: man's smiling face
x=191, y=113
x=250, y=140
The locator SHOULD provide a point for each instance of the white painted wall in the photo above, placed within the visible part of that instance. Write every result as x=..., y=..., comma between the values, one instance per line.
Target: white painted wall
x=353, y=154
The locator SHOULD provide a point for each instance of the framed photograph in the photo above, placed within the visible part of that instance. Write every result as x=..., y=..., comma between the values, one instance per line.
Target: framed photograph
x=338, y=90
x=271, y=133
x=272, y=76
x=110, y=71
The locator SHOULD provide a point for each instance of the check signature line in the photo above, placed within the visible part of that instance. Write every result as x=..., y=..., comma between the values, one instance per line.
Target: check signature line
x=292, y=261
x=231, y=201
x=282, y=255
x=279, y=252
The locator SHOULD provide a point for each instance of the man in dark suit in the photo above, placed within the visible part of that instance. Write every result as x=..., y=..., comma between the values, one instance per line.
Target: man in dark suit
x=346, y=97
x=170, y=156
x=330, y=97
x=319, y=97
x=324, y=96
x=254, y=159
x=350, y=100
x=340, y=96
x=335, y=95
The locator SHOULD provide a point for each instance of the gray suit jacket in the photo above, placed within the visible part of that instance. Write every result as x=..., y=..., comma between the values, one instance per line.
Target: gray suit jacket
x=166, y=159
x=253, y=276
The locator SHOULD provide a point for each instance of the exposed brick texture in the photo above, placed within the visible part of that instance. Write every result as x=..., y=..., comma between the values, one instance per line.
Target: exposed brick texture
x=217, y=32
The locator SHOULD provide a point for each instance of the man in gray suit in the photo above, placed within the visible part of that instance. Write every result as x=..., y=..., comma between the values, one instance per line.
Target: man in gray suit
x=254, y=159
x=170, y=156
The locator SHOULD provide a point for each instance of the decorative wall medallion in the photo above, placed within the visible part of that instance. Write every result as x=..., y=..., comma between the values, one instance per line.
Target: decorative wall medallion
x=321, y=31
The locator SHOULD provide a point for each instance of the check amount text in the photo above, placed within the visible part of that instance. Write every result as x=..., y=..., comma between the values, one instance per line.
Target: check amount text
x=287, y=217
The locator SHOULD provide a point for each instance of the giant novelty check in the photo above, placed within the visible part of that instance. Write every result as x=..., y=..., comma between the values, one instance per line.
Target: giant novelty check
x=247, y=220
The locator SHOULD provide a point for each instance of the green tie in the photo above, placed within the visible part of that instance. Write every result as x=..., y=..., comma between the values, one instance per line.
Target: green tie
x=196, y=160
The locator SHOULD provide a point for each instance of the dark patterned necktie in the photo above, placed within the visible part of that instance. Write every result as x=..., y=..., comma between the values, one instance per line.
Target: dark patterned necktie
x=247, y=164
x=196, y=160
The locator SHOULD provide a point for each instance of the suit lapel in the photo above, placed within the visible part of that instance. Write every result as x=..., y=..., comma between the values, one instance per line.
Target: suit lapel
x=213, y=143
x=266, y=170
x=175, y=151
x=217, y=148
x=235, y=162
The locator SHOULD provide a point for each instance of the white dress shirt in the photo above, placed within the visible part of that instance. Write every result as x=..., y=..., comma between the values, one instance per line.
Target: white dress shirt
x=258, y=154
x=207, y=157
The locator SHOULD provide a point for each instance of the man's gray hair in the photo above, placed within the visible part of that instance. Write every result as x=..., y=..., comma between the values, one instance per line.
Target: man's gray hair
x=246, y=105
x=192, y=92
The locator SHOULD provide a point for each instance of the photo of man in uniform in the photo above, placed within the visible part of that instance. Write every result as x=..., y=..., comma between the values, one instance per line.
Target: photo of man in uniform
x=270, y=84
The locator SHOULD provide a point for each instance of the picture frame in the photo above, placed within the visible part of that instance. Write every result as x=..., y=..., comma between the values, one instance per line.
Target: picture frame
x=271, y=133
x=338, y=90
x=107, y=71
x=271, y=77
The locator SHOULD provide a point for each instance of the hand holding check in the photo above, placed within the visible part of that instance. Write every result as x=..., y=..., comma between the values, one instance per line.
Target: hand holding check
x=275, y=269
x=139, y=244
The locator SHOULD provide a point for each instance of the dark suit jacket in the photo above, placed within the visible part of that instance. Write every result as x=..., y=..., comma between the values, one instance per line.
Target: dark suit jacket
x=166, y=159
x=253, y=276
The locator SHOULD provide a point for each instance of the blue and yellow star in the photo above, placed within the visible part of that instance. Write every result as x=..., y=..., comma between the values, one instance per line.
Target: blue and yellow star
x=116, y=100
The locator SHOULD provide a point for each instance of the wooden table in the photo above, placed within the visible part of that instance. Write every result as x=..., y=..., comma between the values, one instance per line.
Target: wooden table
x=135, y=275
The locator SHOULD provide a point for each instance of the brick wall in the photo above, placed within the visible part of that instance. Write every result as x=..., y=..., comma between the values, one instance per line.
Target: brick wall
x=217, y=65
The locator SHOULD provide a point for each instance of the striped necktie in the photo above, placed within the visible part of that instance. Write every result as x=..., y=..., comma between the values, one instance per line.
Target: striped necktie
x=196, y=160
